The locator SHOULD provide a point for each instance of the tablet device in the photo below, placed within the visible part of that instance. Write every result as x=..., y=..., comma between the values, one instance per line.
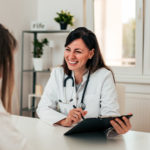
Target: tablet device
x=99, y=124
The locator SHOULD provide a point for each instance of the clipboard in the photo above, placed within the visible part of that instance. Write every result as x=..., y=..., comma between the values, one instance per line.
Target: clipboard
x=93, y=125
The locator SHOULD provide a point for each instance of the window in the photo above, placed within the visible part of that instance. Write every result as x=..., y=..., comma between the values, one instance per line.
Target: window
x=115, y=27
x=118, y=25
x=125, y=44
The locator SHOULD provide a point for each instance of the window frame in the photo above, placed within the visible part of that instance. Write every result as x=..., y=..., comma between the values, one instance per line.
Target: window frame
x=146, y=69
x=137, y=73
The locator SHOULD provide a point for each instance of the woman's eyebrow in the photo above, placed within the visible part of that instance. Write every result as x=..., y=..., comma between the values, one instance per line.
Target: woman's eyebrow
x=67, y=47
x=79, y=49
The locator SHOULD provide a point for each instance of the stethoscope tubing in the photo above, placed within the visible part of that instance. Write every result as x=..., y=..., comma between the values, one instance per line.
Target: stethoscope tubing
x=82, y=105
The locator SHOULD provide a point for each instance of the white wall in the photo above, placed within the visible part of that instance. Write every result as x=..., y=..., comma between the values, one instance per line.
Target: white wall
x=16, y=15
x=137, y=101
x=47, y=12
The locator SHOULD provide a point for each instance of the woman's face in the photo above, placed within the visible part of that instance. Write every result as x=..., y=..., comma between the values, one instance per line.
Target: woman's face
x=77, y=54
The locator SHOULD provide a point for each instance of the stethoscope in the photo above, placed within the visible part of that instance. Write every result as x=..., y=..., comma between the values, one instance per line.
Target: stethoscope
x=69, y=77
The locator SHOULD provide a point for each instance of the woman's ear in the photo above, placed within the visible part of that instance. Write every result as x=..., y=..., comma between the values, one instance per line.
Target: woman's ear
x=91, y=53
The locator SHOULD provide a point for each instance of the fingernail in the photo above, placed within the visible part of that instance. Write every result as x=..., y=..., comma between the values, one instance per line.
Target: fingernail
x=124, y=118
x=117, y=119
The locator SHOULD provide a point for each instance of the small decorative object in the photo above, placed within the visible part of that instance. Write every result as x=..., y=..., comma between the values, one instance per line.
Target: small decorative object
x=51, y=46
x=38, y=52
x=38, y=26
x=38, y=90
x=30, y=100
x=64, y=18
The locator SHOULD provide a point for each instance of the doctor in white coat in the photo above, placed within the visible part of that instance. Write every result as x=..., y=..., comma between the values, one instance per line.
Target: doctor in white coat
x=82, y=86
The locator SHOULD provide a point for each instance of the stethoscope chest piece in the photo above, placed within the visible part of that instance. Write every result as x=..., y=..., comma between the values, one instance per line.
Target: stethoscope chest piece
x=82, y=105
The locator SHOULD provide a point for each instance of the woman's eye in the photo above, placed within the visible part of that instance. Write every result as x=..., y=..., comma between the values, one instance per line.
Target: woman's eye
x=67, y=49
x=78, y=51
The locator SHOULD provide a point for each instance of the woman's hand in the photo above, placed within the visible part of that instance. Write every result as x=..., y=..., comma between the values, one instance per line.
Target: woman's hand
x=74, y=116
x=120, y=126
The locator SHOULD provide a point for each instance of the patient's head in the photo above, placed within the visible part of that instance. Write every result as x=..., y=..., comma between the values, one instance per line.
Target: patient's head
x=7, y=47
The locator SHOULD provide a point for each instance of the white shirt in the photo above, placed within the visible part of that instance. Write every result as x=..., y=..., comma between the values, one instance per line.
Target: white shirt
x=100, y=91
x=10, y=137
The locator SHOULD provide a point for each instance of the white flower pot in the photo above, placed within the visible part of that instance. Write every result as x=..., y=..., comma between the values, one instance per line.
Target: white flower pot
x=38, y=64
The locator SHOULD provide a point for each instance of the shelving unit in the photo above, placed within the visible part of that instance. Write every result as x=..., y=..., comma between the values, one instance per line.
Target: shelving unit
x=34, y=73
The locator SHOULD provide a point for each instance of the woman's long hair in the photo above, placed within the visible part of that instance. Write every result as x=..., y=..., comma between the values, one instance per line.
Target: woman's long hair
x=7, y=46
x=90, y=41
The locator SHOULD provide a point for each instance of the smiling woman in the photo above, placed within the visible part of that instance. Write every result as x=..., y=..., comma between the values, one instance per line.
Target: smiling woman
x=76, y=56
x=93, y=90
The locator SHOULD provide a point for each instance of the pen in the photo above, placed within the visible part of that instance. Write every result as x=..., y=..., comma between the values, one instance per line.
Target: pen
x=81, y=114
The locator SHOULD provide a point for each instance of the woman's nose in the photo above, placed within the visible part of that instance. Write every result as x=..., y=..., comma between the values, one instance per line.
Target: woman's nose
x=72, y=55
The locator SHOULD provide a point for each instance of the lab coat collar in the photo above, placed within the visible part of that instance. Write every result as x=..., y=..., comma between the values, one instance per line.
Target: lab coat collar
x=84, y=77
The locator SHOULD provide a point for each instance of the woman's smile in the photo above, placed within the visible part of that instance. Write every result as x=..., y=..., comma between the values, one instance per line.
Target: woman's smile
x=72, y=62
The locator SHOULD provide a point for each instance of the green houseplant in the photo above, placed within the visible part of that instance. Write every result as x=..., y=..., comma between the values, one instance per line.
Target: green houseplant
x=38, y=52
x=38, y=47
x=64, y=18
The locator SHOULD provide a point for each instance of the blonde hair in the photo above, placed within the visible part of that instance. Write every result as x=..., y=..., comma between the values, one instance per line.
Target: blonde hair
x=7, y=46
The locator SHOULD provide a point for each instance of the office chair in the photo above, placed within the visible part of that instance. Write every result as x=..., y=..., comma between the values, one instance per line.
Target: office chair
x=121, y=97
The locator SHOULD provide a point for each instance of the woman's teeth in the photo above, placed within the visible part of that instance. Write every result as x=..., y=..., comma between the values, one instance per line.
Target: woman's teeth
x=72, y=62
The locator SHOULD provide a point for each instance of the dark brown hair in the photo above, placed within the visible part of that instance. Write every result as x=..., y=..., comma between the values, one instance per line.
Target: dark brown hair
x=90, y=41
x=7, y=46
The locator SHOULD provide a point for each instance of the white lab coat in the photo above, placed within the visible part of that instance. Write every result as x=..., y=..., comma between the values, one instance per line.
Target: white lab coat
x=10, y=137
x=100, y=89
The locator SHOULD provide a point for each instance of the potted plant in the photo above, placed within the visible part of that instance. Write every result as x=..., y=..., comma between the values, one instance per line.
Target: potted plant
x=38, y=52
x=64, y=18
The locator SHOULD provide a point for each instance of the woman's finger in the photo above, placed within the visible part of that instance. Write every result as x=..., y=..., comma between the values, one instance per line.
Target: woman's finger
x=66, y=122
x=122, y=125
x=80, y=110
x=74, y=120
x=77, y=114
x=127, y=122
x=117, y=127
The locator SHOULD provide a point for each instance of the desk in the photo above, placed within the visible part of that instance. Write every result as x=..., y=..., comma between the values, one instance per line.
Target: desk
x=45, y=137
